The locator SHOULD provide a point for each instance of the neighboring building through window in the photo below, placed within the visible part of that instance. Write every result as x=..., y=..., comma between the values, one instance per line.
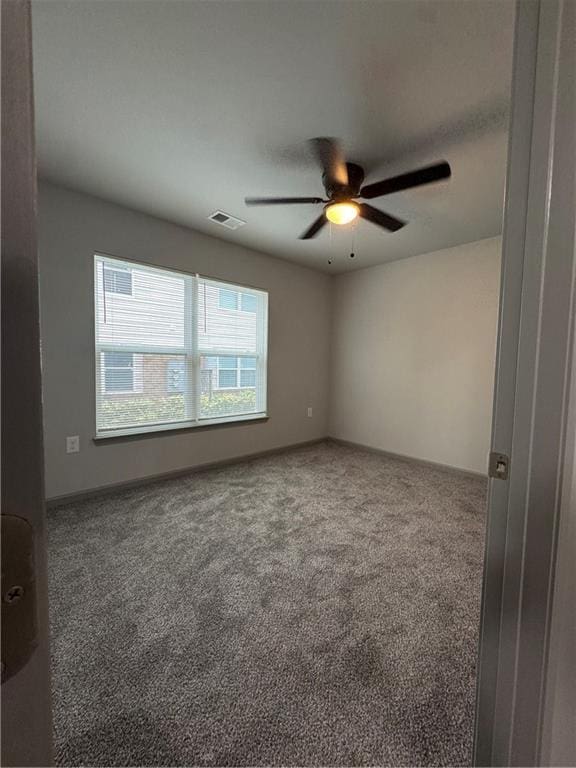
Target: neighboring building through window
x=232, y=372
x=227, y=299
x=170, y=352
x=175, y=376
x=118, y=372
x=247, y=302
x=118, y=281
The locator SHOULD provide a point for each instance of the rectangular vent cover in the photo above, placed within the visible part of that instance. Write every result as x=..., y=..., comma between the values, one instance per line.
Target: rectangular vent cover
x=225, y=220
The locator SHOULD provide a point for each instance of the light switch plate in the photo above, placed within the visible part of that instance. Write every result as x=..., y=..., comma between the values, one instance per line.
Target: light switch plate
x=73, y=444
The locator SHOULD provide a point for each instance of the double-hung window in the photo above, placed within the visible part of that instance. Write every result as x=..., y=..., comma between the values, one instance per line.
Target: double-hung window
x=175, y=349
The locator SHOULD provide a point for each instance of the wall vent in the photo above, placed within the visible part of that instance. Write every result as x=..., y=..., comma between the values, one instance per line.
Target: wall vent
x=225, y=220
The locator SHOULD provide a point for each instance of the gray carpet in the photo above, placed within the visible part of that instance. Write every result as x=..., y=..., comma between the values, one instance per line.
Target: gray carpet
x=318, y=607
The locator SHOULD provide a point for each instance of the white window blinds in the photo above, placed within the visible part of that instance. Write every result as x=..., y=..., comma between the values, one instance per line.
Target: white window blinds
x=174, y=349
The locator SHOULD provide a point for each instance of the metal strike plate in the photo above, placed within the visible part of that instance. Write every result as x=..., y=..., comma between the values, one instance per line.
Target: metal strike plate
x=18, y=592
x=498, y=466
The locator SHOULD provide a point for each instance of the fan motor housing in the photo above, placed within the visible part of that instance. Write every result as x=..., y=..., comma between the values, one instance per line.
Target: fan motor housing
x=345, y=191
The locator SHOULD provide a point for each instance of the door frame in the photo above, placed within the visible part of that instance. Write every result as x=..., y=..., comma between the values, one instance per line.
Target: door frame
x=26, y=693
x=531, y=390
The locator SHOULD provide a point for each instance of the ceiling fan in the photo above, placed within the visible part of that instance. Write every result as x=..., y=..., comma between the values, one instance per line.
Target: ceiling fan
x=343, y=184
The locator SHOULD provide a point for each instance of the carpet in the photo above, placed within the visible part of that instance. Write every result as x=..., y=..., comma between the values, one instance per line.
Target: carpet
x=317, y=607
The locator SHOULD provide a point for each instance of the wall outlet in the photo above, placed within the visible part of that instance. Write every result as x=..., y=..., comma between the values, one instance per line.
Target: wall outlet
x=73, y=444
x=309, y=412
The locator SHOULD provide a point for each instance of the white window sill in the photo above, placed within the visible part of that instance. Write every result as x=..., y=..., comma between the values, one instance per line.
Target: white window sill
x=177, y=426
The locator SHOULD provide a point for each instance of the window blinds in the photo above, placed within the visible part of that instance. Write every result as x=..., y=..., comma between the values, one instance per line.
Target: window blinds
x=174, y=349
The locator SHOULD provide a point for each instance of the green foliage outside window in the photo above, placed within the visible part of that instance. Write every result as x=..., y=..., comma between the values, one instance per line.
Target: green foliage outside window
x=140, y=409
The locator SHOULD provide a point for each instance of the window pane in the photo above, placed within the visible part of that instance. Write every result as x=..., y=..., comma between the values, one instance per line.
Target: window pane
x=228, y=362
x=227, y=378
x=155, y=313
x=119, y=379
x=220, y=330
x=223, y=334
x=118, y=359
x=153, y=391
x=118, y=281
x=219, y=402
x=249, y=302
x=247, y=378
x=228, y=299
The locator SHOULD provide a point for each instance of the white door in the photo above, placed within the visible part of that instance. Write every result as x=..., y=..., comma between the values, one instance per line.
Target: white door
x=26, y=700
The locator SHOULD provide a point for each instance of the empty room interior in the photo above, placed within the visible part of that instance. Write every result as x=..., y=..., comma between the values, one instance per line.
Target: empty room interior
x=269, y=241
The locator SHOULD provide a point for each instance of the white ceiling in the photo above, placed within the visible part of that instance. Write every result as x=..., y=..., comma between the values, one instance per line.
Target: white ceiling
x=181, y=108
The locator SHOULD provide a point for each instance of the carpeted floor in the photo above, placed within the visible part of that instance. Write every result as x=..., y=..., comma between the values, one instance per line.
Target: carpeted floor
x=318, y=607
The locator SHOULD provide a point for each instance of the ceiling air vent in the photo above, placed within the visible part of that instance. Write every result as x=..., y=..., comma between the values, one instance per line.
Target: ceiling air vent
x=225, y=220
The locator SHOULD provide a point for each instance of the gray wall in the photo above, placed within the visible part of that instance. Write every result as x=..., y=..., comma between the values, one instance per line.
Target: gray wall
x=413, y=353
x=72, y=227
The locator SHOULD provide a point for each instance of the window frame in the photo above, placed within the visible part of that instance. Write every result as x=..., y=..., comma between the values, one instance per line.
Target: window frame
x=190, y=349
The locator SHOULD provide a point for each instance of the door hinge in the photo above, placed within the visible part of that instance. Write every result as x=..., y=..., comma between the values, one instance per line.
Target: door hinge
x=498, y=465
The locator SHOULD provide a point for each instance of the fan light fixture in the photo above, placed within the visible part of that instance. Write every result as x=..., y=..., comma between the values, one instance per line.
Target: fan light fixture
x=341, y=213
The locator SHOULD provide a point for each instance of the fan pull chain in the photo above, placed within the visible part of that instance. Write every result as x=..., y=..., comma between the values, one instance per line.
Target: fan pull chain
x=352, y=253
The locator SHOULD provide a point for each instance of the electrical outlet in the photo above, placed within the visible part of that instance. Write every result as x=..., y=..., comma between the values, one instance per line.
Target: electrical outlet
x=73, y=444
x=309, y=413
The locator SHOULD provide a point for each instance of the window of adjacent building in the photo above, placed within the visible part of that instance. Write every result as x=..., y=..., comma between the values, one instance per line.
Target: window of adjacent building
x=237, y=300
x=175, y=350
x=118, y=372
x=118, y=281
x=230, y=372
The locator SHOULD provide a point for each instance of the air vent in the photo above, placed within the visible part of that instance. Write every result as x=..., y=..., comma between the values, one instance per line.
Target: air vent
x=225, y=220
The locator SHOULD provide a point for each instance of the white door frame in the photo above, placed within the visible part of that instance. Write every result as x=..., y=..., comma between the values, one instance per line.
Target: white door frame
x=531, y=393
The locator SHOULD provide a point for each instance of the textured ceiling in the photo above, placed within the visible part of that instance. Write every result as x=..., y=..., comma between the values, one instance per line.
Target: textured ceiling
x=181, y=108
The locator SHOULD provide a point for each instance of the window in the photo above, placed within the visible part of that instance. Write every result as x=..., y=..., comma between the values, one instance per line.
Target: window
x=227, y=299
x=118, y=281
x=247, y=377
x=118, y=369
x=246, y=302
x=232, y=372
x=170, y=353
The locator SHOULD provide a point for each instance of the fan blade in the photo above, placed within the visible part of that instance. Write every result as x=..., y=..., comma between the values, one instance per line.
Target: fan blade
x=281, y=200
x=314, y=228
x=407, y=180
x=331, y=158
x=380, y=218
